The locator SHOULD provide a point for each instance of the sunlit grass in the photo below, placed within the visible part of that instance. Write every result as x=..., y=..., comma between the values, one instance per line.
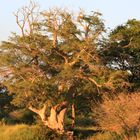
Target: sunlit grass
x=17, y=132
x=26, y=132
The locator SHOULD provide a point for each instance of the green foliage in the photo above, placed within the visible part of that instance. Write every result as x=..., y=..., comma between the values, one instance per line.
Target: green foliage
x=5, y=100
x=44, y=133
x=62, y=50
x=4, y=97
x=122, y=50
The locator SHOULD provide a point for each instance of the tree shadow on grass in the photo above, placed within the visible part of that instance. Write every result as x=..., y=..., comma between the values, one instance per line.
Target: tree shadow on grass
x=84, y=133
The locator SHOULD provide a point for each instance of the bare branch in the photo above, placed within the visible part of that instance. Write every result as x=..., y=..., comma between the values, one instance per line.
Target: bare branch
x=33, y=109
x=26, y=17
x=128, y=43
x=77, y=58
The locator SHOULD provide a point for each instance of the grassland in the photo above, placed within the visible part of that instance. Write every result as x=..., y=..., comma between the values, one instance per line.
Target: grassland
x=35, y=132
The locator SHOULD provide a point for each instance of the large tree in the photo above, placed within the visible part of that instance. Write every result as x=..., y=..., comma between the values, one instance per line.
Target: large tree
x=54, y=61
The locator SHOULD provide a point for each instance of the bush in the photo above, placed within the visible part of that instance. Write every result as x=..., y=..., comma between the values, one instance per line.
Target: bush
x=44, y=133
x=21, y=116
x=84, y=122
x=120, y=114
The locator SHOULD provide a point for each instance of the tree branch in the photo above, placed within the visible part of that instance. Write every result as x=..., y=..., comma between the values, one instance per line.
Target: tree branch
x=40, y=112
x=89, y=79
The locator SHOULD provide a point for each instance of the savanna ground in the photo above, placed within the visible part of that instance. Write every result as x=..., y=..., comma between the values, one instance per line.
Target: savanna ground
x=35, y=132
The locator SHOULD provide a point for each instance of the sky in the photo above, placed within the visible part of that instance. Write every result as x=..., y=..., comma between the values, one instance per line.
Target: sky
x=115, y=12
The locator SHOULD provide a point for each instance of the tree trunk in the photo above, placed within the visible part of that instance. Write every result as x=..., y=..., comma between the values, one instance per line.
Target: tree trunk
x=55, y=39
x=57, y=116
x=73, y=115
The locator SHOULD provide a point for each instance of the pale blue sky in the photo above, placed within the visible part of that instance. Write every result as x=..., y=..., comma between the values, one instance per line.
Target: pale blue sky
x=114, y=12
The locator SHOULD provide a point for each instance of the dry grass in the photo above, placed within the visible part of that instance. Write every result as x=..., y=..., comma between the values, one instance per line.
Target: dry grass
x=17, y=132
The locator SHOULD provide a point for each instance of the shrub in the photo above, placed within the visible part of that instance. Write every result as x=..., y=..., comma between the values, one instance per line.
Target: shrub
x=43, y=133
x=120, y=114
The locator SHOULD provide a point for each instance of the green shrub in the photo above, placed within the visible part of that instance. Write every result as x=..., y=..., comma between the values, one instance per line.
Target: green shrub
x=43, y=133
